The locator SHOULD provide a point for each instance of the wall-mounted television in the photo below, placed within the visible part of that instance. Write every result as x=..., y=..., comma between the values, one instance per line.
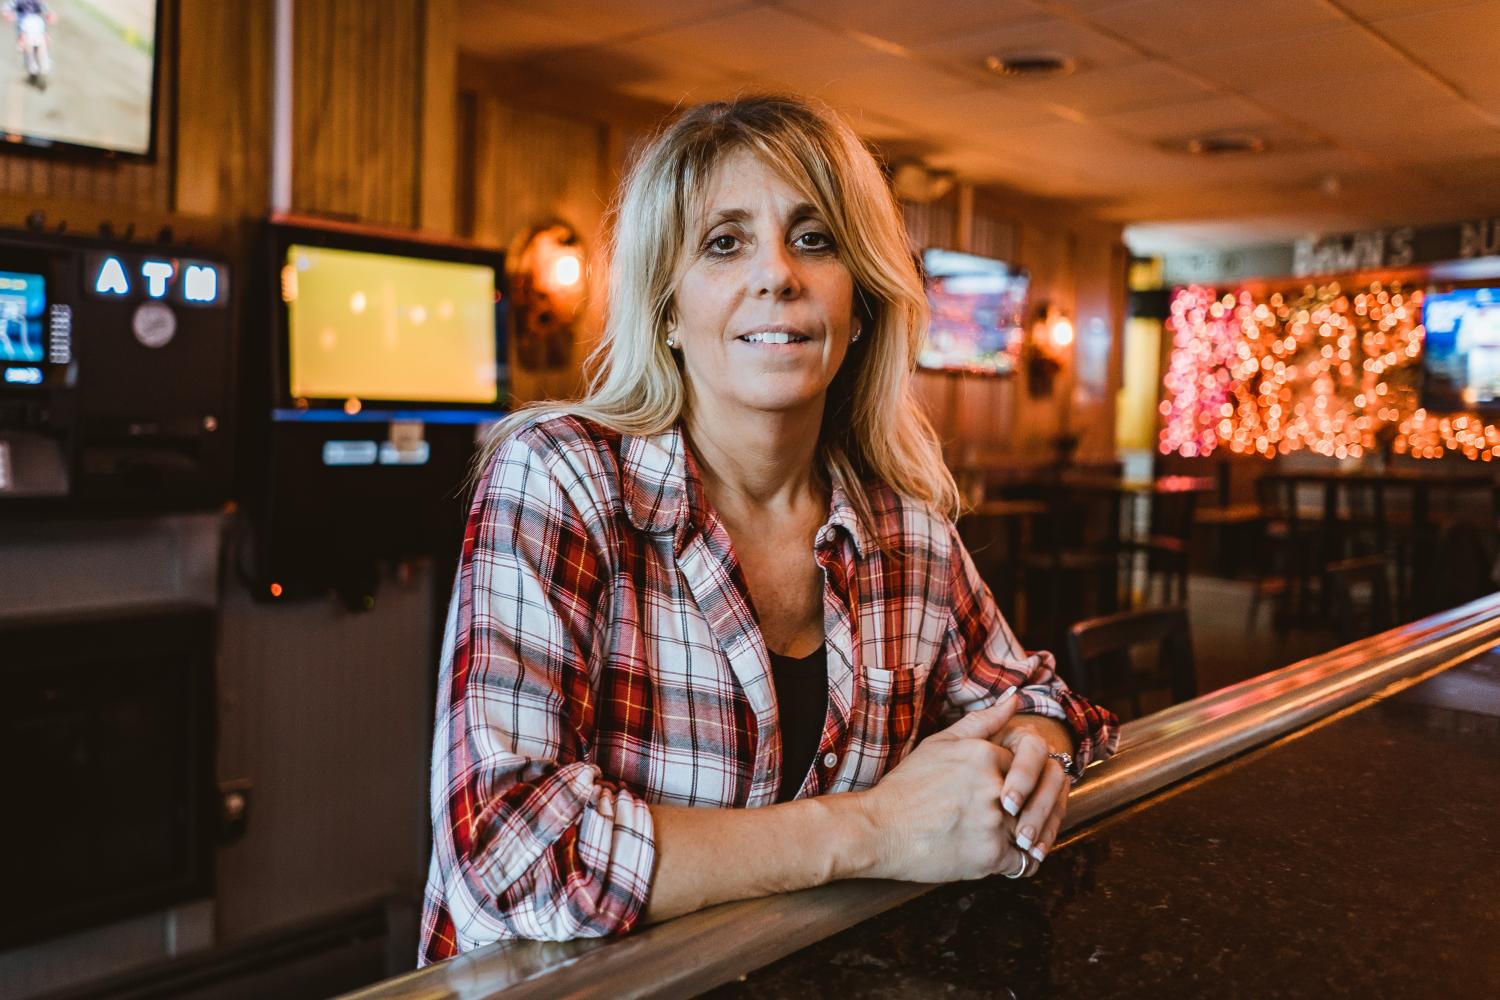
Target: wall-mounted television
x=81, y=75
x=372, y=324
x=978, y=307
x=1461, y=350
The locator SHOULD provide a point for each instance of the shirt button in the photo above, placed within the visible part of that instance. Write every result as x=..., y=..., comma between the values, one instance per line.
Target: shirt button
x=830, y=759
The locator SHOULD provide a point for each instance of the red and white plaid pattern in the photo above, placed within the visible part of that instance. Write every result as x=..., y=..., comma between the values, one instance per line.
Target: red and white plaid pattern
x=601, y=654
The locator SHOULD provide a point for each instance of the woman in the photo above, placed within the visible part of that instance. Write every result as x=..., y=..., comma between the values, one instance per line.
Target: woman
x=729, y=577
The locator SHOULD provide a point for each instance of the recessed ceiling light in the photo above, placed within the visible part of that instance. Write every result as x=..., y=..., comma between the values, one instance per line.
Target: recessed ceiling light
x=1226, y=144
x=1030, y=64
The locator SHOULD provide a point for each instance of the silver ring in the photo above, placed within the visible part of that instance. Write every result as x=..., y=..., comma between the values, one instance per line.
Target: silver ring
x=1020, y=872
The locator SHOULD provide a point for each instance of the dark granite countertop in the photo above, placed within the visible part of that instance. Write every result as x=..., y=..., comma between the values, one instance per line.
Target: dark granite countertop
x=1359, y=857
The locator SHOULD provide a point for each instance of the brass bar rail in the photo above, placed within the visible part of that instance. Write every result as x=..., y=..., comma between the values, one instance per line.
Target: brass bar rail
x=691, y=954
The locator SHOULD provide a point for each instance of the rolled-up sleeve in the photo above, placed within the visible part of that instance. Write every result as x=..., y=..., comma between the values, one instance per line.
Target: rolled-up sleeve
x=530, y=840
x=981, y=658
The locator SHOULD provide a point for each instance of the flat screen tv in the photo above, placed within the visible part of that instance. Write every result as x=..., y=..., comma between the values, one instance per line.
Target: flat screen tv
x=978, y=308
x=1461, y=350
x=81, y=74
x=23, y=300
x=370, y=326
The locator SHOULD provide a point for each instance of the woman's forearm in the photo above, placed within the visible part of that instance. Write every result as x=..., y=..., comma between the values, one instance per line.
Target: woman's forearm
x=708, y=856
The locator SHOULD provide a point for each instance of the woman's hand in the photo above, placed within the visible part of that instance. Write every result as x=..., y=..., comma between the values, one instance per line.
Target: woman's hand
x=937, y=815
x=1036, y=789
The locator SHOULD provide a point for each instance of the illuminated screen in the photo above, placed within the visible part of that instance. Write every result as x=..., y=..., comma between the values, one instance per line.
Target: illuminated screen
x=977, y=309
x=23, y=299
x=376, y=326
x=79, y=72
x=1461, y=350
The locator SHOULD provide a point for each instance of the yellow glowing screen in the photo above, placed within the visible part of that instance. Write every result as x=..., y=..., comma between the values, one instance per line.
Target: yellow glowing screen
x=375, y=326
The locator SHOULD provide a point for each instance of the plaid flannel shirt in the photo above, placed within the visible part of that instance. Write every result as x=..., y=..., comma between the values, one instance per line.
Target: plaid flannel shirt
x=601, y=654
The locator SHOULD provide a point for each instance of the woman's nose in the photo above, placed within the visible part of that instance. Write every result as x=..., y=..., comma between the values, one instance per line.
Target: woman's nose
x=775, y=273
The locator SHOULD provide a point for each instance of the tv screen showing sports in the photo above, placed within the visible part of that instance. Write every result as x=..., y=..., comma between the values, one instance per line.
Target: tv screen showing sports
x=373, y=326
x=1461, y=350
x=23, y=300
x=978, y=306
x=80, y=73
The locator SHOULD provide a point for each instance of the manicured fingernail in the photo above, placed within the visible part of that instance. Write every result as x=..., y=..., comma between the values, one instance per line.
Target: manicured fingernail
x=1007, y=694
x=1013, y=805
x=1023, y=839
x=1039, y=852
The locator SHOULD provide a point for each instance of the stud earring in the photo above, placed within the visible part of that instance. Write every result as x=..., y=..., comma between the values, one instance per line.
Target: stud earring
x=859, y=329
x=671, y=344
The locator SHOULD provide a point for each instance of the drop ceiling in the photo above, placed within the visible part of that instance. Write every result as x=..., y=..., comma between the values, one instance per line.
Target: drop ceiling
x=1374, y=112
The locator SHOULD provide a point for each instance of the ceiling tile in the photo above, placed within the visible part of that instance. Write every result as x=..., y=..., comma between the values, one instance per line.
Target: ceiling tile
x=1311, y=61
x=1387, y=96
x=1179, y=119
x=987, y=111
x=1175, y=28
x=899, y=89
x=1425, y=134
x=1374, y=10
x=1460, y=44
x=907, y=23
x=1115, y=88
x=768, y=45
x=609, y=19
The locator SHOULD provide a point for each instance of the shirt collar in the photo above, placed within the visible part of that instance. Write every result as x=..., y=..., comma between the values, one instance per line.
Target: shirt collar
x=663, y=493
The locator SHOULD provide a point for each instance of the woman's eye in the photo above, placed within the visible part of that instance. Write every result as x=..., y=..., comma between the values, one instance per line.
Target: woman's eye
x=723, y=244
x=814, y=240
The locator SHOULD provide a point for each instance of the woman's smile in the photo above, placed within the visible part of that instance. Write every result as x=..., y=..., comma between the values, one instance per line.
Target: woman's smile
x=779, y=339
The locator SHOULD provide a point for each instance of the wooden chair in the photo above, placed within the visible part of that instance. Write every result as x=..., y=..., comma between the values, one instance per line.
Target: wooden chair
x=1168, y=544
x=1354, y=617
x=1377, y=516
x=1102, y=667
x=995, y=533
x=1288, y=552
x=1072, y=569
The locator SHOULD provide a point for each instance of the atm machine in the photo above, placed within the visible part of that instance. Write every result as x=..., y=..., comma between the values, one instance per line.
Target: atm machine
x=116, y=401
x=116, y=376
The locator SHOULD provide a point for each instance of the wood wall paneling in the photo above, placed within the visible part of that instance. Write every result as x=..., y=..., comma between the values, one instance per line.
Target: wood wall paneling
x=437, y=209
x=223, y=108
x=531, y=167
x=358, y=73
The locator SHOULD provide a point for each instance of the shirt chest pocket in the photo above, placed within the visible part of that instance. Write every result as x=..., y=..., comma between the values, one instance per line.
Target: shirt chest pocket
x=890, y=706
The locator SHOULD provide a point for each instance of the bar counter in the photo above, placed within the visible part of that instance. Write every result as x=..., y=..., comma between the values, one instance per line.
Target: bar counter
x=1329, y=828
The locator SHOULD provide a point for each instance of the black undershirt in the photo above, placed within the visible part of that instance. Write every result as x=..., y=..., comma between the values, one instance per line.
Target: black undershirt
x=802, y=699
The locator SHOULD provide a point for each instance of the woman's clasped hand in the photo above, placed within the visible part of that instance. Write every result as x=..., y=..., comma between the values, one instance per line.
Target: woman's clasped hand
x=941, y=814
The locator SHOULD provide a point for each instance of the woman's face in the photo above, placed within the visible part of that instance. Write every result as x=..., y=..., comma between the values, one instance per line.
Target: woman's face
x=764, y=306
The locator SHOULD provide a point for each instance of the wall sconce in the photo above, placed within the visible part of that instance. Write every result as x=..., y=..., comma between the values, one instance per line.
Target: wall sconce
x=1047, y=348
x=546, y=269
x=915, y=181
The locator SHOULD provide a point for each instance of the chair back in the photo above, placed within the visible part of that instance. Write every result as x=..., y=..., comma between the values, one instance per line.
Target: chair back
x=1354, y=619
x=1099, y=651
x=1172, y=514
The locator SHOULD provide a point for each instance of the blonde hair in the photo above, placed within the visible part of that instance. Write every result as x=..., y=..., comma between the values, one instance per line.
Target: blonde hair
x=873, y=426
